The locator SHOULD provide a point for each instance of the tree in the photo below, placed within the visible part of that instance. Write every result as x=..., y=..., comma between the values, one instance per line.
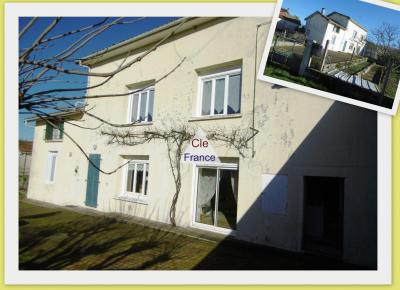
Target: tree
x=387, y=40
x=49, y=69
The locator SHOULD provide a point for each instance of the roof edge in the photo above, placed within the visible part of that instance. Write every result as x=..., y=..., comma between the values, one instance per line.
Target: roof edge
x=142, y=40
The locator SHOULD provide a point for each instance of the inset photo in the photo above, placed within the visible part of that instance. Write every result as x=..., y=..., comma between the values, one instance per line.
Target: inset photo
x=344, y=50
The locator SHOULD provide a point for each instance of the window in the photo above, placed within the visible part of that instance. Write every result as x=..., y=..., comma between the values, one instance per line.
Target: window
x=51, y=167
x=336, y=29
x=344, y=46
x=333, y=39
x=220, y=93
x=136, y=179
x=54, y=132
x=141, y=106
x=354, y=34
x=351, y=46
x=216, y=198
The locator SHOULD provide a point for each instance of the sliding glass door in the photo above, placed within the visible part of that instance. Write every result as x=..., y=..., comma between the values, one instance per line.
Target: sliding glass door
x=216, y=198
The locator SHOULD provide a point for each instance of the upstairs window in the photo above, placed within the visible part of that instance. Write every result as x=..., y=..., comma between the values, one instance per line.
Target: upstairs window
x=141, y=106
x=354, y=34
x=336, y=29
x=220, y=93
x=54, y=133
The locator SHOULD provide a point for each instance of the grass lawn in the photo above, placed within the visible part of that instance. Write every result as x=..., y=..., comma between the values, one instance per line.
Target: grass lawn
x=374, y=75
x=290, y=49
x=276, y=72
x=354, y=69
x=57, y=238
x=392, y=85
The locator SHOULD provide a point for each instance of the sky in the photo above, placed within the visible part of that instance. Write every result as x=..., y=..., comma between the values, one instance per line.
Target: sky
x=115, y=34
x=368, y=15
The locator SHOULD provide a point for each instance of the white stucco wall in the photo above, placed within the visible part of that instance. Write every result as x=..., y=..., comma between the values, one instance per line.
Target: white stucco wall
x=320, y=30
x=299, y=135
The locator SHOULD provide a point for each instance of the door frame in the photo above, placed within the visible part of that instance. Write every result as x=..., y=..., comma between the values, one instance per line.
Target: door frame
x=298, y=174
x=341, y=202
x=193, y=223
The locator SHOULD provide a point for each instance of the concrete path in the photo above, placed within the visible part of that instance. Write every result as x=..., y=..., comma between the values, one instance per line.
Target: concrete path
x=189, y=232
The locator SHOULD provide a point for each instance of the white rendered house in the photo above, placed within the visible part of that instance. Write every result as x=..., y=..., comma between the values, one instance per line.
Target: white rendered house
x=343, y=32
x=310, y=185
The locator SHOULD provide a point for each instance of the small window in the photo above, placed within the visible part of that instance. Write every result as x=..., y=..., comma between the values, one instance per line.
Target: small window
x=54, y=132
x=220, y=93
x=354, y=34
x=51, y=166
x=336, y=29
x=351, y=46
x=136, y=179
x=141, y=106
x=333, y=39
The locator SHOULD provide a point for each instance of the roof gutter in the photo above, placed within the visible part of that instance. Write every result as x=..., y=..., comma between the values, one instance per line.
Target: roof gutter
x=142, y=40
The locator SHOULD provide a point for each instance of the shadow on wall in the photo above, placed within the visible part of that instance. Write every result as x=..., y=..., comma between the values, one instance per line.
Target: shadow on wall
x=329, y=221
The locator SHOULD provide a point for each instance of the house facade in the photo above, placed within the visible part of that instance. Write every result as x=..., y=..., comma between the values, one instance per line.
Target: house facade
x=308, y=183
x=343, y=33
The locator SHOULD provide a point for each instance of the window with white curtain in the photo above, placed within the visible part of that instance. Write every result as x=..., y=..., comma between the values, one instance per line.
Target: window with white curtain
x=141, y=105
x=136, y=179
x=216, y=197
x=220, y=93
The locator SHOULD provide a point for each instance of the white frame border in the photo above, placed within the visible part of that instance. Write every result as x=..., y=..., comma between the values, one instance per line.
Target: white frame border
x=317, y=92
x=12, y=274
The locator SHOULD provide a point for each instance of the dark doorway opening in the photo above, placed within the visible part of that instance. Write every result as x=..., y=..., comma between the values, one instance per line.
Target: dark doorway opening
x=323, y=215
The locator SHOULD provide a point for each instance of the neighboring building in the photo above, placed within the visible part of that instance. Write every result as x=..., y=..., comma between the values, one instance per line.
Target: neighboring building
x=311, y=185
x=287, y=22
x=344, y=33
x=25, y=156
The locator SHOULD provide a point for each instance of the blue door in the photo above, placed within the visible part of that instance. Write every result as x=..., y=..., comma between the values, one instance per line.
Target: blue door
x=92, y=182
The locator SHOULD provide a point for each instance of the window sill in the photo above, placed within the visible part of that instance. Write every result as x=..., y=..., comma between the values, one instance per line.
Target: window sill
x=53, y=140
x=142, y=124
x=132, y=199
x=215, y=117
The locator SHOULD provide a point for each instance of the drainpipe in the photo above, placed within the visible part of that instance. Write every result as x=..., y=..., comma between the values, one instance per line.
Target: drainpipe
x=255, y=131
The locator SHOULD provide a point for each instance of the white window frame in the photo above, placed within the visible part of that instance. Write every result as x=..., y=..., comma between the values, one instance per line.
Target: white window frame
x=136, y=196
x=50, y=155
x=211, y=228
x=130, y=102
x=214, y=77
x=333, y=39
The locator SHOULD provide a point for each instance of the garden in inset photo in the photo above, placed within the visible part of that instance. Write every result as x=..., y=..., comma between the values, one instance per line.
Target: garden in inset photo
x=349, y=48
